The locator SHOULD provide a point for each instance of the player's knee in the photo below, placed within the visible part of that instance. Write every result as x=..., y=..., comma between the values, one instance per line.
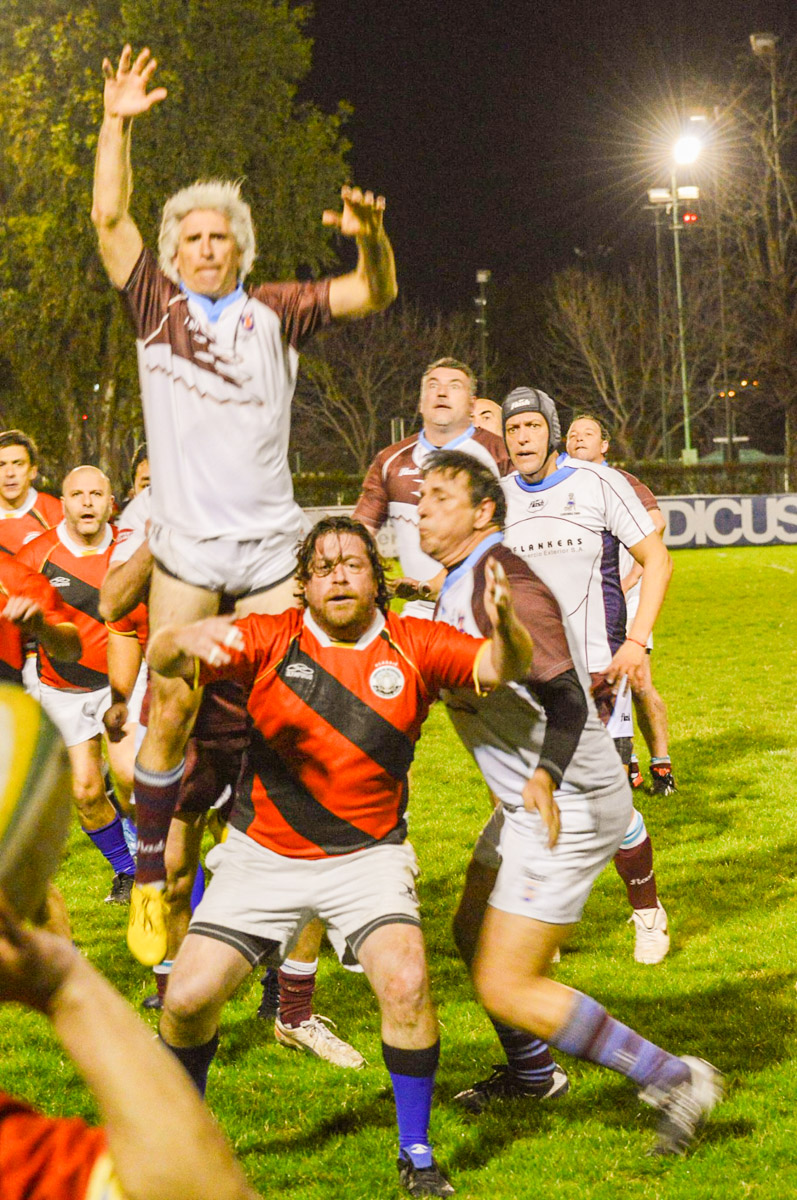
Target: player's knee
x=405, y=996
x=188, y=1002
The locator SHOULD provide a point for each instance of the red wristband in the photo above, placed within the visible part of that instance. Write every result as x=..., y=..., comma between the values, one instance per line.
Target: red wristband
x=636, y=643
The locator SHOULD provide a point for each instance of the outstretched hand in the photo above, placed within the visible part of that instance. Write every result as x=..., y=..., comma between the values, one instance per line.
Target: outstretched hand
x=362, y=213
x=497, y=599
x=126, y=92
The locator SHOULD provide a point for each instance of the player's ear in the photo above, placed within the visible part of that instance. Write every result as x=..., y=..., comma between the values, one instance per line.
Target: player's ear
x=484, y=514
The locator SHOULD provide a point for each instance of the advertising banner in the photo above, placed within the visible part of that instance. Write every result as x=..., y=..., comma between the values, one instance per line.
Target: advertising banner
x=695, y=521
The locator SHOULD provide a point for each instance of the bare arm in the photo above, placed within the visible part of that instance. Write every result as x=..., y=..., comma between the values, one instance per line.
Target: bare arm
x=174, y=648
x=654, y=558
x=635, y=574
x=371, y=286
x=125, y=97
x=182, y=1155
x=511, y=647
x=61, y=641
x=124, y=660
x=125, y=585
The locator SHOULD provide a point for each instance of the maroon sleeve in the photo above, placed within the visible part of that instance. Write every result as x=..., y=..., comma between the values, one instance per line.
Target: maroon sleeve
x=536, y=607
x=303, y=308
x=146, y=294
x=643, y=493
x=497, y=448
x=371, y=508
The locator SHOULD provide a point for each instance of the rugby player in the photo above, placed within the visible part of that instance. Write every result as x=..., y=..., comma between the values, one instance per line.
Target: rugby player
x=564, y=809
x=213, y=761
x=486, y=414
x=179, y=1155
x=392, y=484
x=588, y=439
x=567, y=519
x=218, y=368
x=338, y=693
x=74, y=557
x=24, y=512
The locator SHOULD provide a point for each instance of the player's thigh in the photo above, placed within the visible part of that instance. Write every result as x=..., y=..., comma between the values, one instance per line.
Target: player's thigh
x=513, y=950
x=205, y=974
x=271, y=601
x=172, y=601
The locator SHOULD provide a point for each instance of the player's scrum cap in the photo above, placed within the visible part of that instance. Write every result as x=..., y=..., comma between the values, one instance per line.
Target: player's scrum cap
x=529, y=399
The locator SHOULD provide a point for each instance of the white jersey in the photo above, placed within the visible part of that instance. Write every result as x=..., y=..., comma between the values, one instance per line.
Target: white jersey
x=569, y=528
x=131, y=528
x=217, y=380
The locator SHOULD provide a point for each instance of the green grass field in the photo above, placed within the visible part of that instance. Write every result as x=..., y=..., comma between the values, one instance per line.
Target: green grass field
x=726, y=861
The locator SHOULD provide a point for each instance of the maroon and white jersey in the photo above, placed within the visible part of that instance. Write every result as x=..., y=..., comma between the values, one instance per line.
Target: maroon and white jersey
x=627, y=560
x=217, y=381
x=393, y=484
x=505, y=729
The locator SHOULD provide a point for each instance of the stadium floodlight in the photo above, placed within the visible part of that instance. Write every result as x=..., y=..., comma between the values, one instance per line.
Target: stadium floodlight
x=687, y=149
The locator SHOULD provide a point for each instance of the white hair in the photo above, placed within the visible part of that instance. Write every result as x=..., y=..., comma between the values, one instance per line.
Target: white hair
x=217, y=195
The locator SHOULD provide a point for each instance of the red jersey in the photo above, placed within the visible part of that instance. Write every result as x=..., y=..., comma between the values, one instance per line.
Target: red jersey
x=17, y=580
x=133, y=624
x=45, y=1158
x=77, y=577
x=39, y=513
x=336, y=726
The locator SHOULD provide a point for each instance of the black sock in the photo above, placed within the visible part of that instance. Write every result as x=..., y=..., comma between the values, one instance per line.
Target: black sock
x=196, y=1060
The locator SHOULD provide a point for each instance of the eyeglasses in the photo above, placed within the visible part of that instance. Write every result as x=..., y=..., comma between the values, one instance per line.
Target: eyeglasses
x=354, y=566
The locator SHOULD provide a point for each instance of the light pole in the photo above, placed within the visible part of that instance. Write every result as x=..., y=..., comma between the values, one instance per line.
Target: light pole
x=482, y=278
x=686, y=150
x=764, y=46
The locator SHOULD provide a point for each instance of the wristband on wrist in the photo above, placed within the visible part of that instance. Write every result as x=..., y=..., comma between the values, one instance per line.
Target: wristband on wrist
x=636, y=643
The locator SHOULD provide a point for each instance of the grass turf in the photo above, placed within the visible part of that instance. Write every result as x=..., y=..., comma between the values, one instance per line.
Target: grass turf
x=726, y=855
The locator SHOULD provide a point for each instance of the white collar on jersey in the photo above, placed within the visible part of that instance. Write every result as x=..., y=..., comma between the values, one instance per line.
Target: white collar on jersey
x=374, y=630
x=30, y=501
x=78, y=548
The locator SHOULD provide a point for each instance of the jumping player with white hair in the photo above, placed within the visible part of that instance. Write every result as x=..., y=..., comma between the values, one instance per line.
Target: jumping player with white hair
x=218, y=368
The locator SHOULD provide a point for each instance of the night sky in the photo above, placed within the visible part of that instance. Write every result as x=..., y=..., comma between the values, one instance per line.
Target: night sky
x=505, y=134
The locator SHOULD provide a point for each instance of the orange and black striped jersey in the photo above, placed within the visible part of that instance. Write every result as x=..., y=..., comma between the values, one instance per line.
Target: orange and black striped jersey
x=18, y=580
x=336, y=726
x=77, y=577
x=18, y=526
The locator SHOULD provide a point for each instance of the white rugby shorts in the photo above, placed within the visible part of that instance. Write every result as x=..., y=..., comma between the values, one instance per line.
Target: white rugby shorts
x=76, y=715
x=553, y=885
x=272, y=897
x=223, y=564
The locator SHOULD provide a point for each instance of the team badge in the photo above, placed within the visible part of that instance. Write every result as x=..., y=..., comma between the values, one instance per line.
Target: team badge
x=387, y=681
x=247, y=322
x=299, y=671
x=570, y=508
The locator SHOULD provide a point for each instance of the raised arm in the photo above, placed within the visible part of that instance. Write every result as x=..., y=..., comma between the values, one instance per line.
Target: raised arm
x=371, y=286
x=125, y=97
x=174, y=649
x=511, y=647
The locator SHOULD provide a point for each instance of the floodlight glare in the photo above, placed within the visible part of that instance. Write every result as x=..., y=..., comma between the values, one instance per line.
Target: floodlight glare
x=687, y=149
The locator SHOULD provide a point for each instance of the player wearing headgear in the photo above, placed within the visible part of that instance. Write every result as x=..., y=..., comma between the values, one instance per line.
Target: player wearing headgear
x=74, y=557
x=392, y=484
x=564, y=807
x=568, y=519
x=588, y=439
x=338, y=693
x=218, y=366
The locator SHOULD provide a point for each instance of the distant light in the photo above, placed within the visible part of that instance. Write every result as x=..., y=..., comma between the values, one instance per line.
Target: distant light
x=96, y=387
x=85, y=417
x=731, y=392
x=763, y=43
x=689, y=192
x=659, y=196
x=687, y=149
x=690, y=218
x=744, y=383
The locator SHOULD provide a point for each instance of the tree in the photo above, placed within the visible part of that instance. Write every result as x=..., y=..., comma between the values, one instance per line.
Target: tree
x=64, y=344
x=355, y=379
